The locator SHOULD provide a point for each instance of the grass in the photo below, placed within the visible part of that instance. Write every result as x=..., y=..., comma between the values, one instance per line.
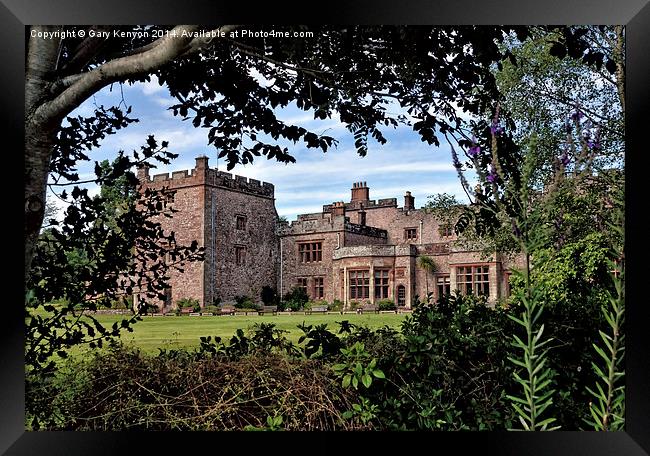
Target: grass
x=184, y=332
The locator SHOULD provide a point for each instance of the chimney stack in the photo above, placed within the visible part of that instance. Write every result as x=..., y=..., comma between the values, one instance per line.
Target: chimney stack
x=360, y=192
x=201, y=162
x=143, y=172
x=409, y=202
x=338, y=208
x=362, y=216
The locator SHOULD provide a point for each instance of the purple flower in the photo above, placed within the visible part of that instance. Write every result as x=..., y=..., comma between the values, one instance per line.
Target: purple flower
x=568, y=126
x=564, y=159
x=475, y=149
x=576, y=114
x=496, y=129
x=593, y=144
x=492, y=175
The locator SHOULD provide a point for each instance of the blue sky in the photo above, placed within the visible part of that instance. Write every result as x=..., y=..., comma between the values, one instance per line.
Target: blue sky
x=403, y=164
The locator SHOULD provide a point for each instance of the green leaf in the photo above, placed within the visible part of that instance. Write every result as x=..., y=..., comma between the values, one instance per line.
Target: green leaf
x=602, y=353
x=366, y=380
x=517, y=362
x=378, y=373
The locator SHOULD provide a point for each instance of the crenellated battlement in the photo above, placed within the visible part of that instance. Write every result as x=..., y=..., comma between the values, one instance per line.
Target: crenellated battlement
x=355, y=205
x=203, y=175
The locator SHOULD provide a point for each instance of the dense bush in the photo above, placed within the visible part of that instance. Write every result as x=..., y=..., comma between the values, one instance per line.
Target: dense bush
x=245, y=302
x=176, y=390
x=452, y=369
x=294, y=300
x=336, y=305
x=447, y=369
x=191, y=303
x=269, y=296
x=149, y=308
x=386, y=304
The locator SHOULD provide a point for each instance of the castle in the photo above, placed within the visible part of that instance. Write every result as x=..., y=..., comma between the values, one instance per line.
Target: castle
x=362, y=250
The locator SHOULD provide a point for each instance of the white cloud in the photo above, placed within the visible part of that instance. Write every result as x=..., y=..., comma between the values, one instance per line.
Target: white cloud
x=151, y=87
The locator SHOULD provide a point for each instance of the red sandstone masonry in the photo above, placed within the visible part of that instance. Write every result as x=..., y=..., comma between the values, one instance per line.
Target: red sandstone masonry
x=208, y=203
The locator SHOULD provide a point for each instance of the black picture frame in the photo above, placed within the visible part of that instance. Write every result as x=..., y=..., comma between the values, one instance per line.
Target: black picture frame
x=635, y=14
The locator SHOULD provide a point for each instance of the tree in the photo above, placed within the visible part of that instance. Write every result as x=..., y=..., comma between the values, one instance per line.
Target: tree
x=119, y=196
x=429, y=266
x=93, y=257
x=548, y=167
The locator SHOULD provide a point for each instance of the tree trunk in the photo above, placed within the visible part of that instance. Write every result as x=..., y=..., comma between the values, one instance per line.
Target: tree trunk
x=42, y=59
x=37, y=161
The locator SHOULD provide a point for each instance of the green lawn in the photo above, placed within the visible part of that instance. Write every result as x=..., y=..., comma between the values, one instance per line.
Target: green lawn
x=174, y=332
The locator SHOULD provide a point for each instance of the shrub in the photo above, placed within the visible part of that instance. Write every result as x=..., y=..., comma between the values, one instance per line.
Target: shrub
x=450, y=371
x=212, y=309
x=268, y=296
x=245, y=302
x=354, y=305
x=121, y=303
x=295, y=299
x=149, y=308
x=188, y=302
x=386, y=304
x=336, y=305
x=122, y=389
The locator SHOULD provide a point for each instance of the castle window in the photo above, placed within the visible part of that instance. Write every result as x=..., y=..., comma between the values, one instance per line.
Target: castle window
x=240, y=254
x=310, y=252
x=319, y=289
x=506, y=283
x=168, y=297
x=443, y=282
x=359, y=284
x=446, y=230
x=401, y=295
x=241, y=222
x=381, y=283
x=473, y=280
x=411, y=234
x=302, y=283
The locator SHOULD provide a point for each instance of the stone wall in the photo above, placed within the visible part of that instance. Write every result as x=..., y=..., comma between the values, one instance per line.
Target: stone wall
x=187, y=224
x=325, y=229
x=258, y=239
x=208, y=203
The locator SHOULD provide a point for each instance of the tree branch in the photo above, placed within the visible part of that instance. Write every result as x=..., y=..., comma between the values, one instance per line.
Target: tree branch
x=169, y=48
x=87, y=49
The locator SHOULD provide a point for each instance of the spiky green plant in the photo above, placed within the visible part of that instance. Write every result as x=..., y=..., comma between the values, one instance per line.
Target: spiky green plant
x=608, y=407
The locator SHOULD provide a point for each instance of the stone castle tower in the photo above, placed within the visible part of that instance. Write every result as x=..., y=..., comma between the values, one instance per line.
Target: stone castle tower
x=234, y=219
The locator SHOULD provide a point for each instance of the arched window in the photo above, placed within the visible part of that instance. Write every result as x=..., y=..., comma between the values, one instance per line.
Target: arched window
x=401, y=295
